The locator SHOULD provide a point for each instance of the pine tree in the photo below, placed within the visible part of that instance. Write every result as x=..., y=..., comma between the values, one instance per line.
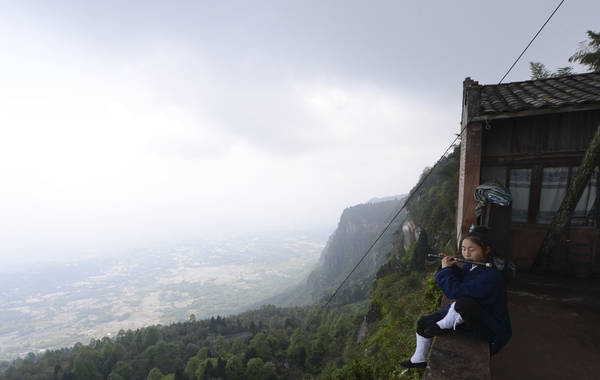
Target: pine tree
x=588, y=53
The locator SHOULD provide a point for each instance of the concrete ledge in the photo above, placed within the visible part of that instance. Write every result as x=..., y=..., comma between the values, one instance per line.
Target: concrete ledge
x=458, y=356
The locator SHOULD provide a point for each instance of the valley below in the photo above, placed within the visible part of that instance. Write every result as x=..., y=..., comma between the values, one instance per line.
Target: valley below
x=58, y=305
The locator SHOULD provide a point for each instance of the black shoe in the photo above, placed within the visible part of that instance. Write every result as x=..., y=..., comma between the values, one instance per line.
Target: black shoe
x=435, y=330
x=409, y=364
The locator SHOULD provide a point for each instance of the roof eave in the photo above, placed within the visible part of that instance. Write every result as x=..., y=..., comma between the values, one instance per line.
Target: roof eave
x=536, y=112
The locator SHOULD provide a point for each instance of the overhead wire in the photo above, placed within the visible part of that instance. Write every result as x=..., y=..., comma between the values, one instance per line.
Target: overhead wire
x=530, y=42
x=393, y=219
x=420, y=184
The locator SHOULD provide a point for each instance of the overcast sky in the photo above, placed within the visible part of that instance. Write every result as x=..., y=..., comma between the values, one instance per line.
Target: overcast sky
x=129, y=123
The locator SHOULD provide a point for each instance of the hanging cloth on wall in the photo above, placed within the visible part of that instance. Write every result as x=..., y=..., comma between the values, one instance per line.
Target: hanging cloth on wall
x=491, y=193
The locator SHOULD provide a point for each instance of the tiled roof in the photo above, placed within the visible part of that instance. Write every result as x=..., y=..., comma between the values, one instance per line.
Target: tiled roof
x=544, y=94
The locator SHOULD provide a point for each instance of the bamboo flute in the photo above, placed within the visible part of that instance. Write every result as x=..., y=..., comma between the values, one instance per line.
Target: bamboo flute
x=489, y=265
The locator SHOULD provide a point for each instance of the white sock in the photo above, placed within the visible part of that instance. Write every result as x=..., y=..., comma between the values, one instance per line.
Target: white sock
x=451, y=320
x=422, y=349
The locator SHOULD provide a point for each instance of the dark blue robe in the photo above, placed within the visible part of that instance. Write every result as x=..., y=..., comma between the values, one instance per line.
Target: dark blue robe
x=486, y=286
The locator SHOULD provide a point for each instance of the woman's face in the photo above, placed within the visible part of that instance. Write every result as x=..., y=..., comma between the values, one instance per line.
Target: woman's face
x=472, y=251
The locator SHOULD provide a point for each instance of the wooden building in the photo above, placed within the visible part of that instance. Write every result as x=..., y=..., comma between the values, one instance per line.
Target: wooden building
x=530, y=137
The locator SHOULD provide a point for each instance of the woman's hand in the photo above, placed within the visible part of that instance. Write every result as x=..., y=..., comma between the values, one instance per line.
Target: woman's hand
x=447, y=261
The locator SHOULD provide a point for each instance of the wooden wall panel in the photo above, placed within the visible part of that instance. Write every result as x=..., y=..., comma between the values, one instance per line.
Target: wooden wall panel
x=566, y=132
x=535, y=142
x=525, y=241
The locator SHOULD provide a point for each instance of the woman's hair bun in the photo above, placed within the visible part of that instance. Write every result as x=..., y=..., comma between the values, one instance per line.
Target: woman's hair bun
x=479, y=229
x=481, y=233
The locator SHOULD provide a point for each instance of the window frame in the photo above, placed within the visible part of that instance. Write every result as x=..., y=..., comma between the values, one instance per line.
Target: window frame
x=535, y=190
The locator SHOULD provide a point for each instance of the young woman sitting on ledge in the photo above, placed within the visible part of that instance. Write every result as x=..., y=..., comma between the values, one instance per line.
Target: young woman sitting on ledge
x=480, y=301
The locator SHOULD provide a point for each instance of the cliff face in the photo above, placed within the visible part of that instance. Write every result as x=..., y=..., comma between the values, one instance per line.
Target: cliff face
x=410, y=233
x=432, y=209
x=358, y=228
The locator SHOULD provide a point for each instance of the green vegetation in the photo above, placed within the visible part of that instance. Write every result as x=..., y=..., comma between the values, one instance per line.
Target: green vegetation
x=269, y=343
x=397, y=302
x=433, y=207
x=588, y=54
x=357, y=229
x=405, y=288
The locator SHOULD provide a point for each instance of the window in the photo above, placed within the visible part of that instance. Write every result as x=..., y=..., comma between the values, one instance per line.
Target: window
x=520, y=185
x=552, y=190
x=585, y=211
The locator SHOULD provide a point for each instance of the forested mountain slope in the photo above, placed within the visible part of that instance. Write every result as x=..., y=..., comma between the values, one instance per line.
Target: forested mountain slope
x=405, y=289
x=357, y=229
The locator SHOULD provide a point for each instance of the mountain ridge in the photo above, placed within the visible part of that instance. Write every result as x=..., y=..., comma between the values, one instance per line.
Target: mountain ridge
x=357, y=229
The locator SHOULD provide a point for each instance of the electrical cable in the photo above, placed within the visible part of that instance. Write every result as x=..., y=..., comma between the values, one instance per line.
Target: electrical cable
x=393, y=218
x=434, y=166
x=530, y=42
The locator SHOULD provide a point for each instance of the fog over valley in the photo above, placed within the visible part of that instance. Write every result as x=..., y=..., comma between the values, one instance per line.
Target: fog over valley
x=164, y=163
x=54, y=306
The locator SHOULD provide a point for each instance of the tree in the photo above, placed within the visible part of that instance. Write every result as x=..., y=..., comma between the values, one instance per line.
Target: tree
x=204, y=353
x=179, y=375
x=221, y=346
x=206, y=369
x=255, y=369
x=111, y=354
x=192, y=366
x=163, y=355
x=539, y=71
x=588, y=53
x=561, y=71
x=297, y=350
x=155, y=374
x=234, y=369
x=270, y=371
x=219, y=370
x=115, y=376
x=261, y=347
x=190, y=350
x=123, y=369
x=85, y=369
x=150, y=336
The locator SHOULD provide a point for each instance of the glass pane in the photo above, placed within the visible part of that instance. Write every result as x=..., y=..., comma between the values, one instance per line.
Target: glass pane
x=585, y=211
x=554, y=188
x=519, y=186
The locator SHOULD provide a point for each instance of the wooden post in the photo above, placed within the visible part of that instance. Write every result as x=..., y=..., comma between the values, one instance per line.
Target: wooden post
x=470, y=157
x=469, y=176
x=561, y=219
